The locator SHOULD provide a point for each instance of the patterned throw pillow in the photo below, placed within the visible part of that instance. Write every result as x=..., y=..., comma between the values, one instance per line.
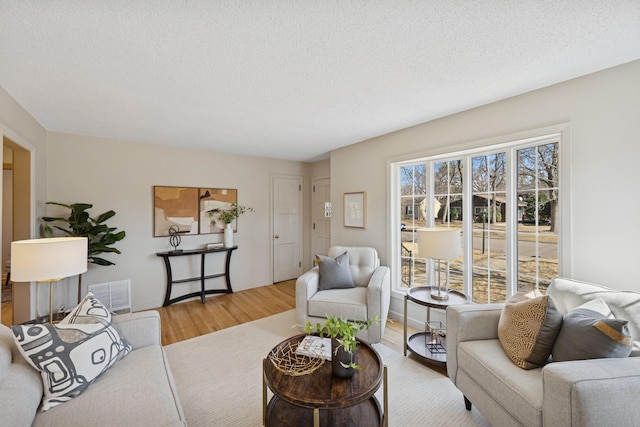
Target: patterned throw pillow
x=528, y=327
x=334, y=273
x=73, y=353
x=591, y=332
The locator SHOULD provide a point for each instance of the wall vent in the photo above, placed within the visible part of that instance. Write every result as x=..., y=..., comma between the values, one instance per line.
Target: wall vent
x=116, y=296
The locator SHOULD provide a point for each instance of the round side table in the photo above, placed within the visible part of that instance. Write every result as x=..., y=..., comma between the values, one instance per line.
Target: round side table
x=417, y=342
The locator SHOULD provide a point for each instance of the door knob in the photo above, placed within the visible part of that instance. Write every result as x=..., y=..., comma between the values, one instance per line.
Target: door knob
x=276, y=236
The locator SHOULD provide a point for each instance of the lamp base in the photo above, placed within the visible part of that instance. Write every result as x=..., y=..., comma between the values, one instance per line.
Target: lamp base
x=439, y=295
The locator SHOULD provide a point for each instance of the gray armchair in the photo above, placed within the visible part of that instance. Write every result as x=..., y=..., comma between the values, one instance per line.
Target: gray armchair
x=369, y=298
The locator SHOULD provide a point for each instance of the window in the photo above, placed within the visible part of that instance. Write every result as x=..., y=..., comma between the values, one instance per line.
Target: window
x=506, y=201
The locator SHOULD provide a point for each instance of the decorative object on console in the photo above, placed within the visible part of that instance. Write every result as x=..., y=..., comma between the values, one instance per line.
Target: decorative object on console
x=227, y=216
x=175, y=239
x=73, y=353
x=439, y=244
x=48, y=260
x=101, y=237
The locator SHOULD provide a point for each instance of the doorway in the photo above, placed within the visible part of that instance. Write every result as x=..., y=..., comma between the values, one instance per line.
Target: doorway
x=286, y=214
x=16, y=225
x=320, y=216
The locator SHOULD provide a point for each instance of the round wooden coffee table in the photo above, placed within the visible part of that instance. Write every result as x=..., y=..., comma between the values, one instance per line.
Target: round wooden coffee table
x=320, y=399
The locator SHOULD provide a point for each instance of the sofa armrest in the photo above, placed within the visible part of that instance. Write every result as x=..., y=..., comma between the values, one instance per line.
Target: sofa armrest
x=591, y=392
x=306, y=287
x=140, y=329
x=378, y=300
x=469, y=322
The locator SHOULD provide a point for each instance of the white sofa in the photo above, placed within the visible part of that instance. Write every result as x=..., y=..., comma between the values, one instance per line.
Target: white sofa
x=597, y=392
x=138, y=390
x=370, y=297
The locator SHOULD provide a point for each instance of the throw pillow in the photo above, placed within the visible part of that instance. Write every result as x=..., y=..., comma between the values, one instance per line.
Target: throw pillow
x=73, y=353
x=334, y=273
x=591, y=332
x=528, y=327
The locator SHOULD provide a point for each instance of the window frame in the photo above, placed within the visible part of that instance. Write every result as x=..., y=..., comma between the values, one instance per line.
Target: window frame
x=511, y=143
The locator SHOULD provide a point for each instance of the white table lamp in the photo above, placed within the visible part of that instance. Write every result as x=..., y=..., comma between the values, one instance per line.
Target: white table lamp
x=439, y=244
x=48, y=260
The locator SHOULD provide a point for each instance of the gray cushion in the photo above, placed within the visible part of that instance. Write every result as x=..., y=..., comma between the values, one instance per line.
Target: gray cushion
x=334, y=273
x=528, y=328
x=590, y=332
x=72, y=354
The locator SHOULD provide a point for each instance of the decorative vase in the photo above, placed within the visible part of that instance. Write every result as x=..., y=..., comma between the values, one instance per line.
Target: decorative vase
x=228, y=236
x=340, y=356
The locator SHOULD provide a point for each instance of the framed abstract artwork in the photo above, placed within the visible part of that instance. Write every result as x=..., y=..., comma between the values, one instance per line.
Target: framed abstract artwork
x=355, y=205
x=185, y=208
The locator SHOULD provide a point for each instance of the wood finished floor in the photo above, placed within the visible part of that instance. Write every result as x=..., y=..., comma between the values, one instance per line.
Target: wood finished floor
x=192, y=318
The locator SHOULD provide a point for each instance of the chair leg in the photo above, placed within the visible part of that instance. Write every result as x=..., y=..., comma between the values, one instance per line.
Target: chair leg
x=467, y=403
x=6, y=283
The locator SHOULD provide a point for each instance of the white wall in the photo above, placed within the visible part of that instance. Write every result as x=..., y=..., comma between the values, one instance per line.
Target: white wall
x=603, y=111
x=120, y=175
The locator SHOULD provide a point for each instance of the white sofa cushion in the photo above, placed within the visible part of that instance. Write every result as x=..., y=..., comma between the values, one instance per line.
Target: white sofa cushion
x=519, y=391
x=350, y=303
x=139, y=391
x=20, y=384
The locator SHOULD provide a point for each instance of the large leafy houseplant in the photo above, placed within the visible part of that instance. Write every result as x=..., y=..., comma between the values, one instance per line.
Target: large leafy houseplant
x=79, y=223
x=343, y=332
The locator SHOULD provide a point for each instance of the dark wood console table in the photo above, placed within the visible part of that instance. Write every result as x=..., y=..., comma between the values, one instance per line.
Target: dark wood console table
x=166, y=256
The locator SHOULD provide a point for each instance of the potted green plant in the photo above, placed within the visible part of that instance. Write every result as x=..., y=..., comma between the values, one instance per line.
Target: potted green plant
x=227, y=216
x=100, y=236
x=343, y=342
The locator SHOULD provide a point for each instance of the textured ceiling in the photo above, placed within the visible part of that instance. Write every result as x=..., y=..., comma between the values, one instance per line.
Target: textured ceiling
x=292, y=79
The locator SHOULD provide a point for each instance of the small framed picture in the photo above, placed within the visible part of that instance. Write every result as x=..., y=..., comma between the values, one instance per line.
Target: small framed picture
x=355, y=205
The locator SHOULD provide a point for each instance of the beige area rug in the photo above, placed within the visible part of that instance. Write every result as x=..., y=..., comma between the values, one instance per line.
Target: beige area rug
x=219, y=380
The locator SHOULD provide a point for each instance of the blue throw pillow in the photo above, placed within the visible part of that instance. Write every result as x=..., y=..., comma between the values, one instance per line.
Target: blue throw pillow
x=334, y=273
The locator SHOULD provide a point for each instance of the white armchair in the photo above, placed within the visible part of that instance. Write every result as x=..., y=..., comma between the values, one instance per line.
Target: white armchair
x=369, y=298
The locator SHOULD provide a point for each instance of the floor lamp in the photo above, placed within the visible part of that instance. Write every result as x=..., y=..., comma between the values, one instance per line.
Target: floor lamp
x=48, y=260
x=439, y=244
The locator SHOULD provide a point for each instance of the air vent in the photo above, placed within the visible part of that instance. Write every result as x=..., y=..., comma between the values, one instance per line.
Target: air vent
x=116, y=296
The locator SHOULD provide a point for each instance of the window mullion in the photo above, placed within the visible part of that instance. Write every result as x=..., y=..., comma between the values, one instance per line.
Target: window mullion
x=467, y=232
x=511, y=246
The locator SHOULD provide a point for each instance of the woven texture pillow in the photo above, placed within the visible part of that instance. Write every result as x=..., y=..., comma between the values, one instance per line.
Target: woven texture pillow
x=591, y=332
x=528, y=327
x=334, y=273
x=73, y=353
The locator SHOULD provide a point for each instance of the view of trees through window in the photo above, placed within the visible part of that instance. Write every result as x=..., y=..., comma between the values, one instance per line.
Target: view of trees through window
x=506, y=208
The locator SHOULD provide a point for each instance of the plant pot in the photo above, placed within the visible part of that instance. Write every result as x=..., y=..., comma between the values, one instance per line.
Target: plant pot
x=228, y=236
x=340, y=356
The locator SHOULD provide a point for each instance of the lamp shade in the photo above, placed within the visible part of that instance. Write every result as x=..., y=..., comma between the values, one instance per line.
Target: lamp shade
x=48, y=259
x=439, y=243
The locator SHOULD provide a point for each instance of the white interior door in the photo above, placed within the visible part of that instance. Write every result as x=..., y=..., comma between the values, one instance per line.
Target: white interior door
x=287, y=227
x=321, y=216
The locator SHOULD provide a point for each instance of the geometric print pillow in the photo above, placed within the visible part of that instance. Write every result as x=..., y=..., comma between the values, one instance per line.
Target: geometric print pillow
x=72, y=354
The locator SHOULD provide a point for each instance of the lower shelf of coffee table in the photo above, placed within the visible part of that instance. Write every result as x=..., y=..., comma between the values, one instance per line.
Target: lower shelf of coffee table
x=285, y=414
x=417, y=344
